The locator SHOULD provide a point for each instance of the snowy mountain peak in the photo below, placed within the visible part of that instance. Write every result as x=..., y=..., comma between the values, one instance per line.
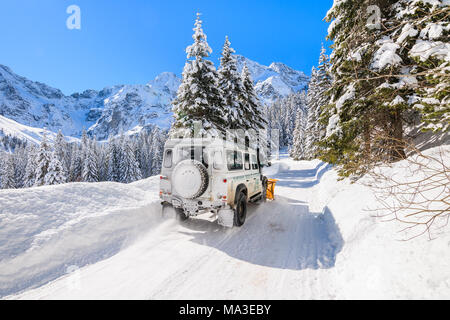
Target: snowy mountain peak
x=166, y=81
x=274, y=81
x=280, y=67
x=121, y=108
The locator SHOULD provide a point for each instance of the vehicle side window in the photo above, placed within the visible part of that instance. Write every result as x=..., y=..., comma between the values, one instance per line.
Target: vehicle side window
x=168, y=158
x=234, y=160
x=218, y=161
x=254, y=162
x=247, y=161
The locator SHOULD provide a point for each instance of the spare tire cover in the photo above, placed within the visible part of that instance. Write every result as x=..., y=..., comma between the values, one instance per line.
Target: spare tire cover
x=190, y=179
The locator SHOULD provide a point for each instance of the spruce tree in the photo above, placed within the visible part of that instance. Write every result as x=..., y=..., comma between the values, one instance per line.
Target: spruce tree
x=42, y=161
x=90, y=169
x=380, y=76
x=231, y=85
x=298, y=147
x=129, y=167
x=358, y=110
x=157, y=148
x=253, y=114
x=144, y=159
x=55, y=174
x=281, y=116
x=20, y=163
x=61, y=151
x=422, y=31
x=76, y=164
x=8, y=177
x=30, y=170
x=113, y=160
x=317, y=100
x=2, y=167
x=199, y=98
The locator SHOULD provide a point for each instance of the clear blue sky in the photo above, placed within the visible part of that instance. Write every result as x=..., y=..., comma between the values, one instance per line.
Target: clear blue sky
x=132, y=41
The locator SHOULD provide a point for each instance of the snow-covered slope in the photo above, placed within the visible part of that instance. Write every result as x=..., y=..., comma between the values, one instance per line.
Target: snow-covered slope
x=38, y=105
x=45, y=230
x=121, y=107
x=131, y=106
x=103, y=112
x=26, y=133
x=315, y=241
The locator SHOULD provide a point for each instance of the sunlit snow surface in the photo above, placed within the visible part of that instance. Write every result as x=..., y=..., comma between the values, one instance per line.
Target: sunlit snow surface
x=315, y=241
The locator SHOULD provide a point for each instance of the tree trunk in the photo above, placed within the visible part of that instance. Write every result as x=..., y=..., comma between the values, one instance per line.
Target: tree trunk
x=398, y=144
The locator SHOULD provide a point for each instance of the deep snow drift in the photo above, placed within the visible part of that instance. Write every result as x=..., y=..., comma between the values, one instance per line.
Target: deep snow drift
x=315, y=241
x=45, y=231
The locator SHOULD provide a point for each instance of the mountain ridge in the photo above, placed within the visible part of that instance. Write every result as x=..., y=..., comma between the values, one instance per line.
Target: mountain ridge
x=121, y=108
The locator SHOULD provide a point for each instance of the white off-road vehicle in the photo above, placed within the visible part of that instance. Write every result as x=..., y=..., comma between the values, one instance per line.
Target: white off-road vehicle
x=211, y=175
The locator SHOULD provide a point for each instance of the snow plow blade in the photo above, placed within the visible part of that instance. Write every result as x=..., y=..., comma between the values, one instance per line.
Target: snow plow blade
x=271, y=188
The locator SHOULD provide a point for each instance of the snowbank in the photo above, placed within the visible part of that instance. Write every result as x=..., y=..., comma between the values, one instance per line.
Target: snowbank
x=317, y=240
x=45, y=232
x=375, y=262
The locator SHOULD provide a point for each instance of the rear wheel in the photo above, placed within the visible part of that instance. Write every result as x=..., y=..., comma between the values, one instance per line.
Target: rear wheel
x=263, y=191
x=240, y=212
x=181, y=216
x=168, y=211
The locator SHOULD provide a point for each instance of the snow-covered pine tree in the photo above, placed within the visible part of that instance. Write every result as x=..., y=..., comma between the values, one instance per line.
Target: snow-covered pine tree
x=421, y=33
x=113, y=160
x=43, y=158
x=55, y=174
x=85, y=144
x=144, y=155
x=199, y=98
x=157, y=147
x=2, y=167
x=20, y=163
x=90, y=165
x=253, y=114
x=129, y=167
x=311, y=137
x=8, y=176
x=317, y=100
x=102, y=161
x=76, y=164
x=281, y=115
x=61, y=150
x=299, y=136
x=30, y=169
x=371, y=86
x=232, y=88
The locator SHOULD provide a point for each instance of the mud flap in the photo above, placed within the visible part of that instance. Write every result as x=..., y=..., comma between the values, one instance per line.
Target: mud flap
x=225, y=217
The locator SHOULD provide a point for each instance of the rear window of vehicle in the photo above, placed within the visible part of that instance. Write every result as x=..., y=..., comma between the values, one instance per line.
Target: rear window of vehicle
x=168, y=158
x=234, y=160
x=193, y=153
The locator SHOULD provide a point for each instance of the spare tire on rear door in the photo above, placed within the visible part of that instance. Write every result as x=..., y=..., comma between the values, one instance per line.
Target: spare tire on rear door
x=190, y=179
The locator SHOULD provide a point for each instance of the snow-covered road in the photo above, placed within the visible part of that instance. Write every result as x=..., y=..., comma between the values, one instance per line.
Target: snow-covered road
x=295, y=247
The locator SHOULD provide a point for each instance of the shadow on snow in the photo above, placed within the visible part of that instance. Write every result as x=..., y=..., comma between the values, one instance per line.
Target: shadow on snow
x=281, y=234
x=290, y=178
